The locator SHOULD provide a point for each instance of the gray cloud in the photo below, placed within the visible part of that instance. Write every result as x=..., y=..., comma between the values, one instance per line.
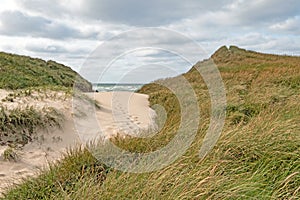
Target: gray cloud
x=51, y=8
x=16, y=23
x=157, y=12
x=52, y=49
x=130, y=12
x=207, y=14
x=136, y=12
x=263, y=12
x=55, y=48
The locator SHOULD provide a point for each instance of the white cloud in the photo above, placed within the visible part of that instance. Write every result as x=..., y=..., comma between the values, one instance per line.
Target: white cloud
x=290, y=25
x=8, y=5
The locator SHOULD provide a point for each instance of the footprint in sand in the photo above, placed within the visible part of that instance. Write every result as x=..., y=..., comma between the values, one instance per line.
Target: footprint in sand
x=34, y=155
x=108, y=129
x=22, y=172
x=134, y=118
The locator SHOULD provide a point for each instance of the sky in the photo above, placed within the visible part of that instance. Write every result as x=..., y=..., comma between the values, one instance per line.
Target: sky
x=138, y=41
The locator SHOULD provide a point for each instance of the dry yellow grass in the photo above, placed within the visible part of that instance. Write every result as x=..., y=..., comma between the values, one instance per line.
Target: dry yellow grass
x=256, y=157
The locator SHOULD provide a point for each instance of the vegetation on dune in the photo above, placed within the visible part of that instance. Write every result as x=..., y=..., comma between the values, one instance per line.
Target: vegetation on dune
x=9, y=154
x=38, y=93
x=18, y=126
x=27, y=80
x=256, y=157
x=62, y=179
x=19, y=72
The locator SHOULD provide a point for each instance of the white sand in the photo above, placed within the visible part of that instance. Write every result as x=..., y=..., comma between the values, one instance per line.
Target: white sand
x=125, y=113
x=121, y=112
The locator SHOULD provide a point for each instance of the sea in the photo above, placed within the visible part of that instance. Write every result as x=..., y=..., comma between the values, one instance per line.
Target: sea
x=108, y=87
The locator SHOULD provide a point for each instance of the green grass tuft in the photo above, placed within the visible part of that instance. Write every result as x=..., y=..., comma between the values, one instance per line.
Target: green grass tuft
x=19, y=125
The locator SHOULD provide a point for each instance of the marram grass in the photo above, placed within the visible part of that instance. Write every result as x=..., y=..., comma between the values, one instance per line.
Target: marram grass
x=256, y=157
x=19, y=125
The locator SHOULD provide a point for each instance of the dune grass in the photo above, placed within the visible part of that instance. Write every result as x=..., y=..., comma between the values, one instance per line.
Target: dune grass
x=256, y=157
x=61, y=179
x=18, y=126
x=19, y=72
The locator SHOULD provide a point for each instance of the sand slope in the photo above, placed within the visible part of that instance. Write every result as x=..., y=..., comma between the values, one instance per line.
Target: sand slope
x=121, y=112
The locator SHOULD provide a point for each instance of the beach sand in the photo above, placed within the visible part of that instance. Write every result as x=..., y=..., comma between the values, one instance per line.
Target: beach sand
x=125, y=113
x=122, y=113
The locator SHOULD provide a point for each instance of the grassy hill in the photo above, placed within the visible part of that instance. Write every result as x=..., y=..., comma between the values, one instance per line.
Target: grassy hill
x=27, y=80
x=256, y=157
x=19, y=72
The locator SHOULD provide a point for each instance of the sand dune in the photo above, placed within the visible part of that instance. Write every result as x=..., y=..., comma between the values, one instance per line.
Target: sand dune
x=125, y=113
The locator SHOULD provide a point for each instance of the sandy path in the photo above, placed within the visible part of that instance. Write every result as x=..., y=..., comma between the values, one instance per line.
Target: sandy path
x=121, y=112
x=125, y=113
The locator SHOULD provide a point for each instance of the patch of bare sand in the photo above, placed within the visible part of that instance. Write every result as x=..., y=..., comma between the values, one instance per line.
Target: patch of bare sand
x=123, y=113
